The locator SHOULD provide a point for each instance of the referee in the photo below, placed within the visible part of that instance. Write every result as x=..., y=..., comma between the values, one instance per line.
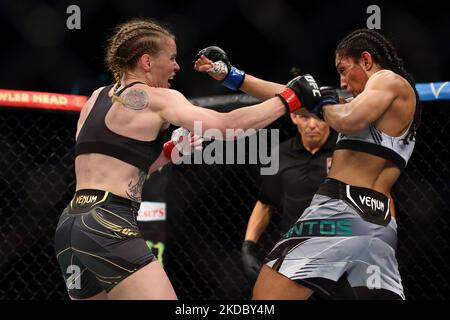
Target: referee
x=304, y=162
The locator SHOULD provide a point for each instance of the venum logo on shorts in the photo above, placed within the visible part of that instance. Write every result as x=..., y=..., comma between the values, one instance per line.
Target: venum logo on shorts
x=82, y=200
x=327, y=228
x=372, y=203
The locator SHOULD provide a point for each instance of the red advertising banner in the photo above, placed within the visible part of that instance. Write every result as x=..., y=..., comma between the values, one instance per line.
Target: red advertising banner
x=41, y=100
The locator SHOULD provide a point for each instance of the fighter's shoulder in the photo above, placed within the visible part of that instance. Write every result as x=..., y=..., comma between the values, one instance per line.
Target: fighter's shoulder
x=386, y=78
x=157, y=92
x=154, y=98
x=388, y=82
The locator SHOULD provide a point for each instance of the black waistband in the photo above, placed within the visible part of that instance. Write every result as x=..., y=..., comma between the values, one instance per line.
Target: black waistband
x=372, y=206
x=338, y=190
x=87, y=199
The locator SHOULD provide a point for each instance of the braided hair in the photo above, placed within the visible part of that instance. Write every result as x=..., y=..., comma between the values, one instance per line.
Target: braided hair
x=129, y=41
x=385, y=55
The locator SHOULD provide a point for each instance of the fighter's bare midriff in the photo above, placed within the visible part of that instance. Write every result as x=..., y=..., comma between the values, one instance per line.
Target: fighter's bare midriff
x=101, y=172
x=364, y=170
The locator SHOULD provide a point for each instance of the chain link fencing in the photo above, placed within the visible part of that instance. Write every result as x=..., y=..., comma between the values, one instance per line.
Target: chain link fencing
x=208, y=207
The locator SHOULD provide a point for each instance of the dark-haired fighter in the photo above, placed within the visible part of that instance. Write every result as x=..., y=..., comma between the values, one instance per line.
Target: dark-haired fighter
x=343, y=246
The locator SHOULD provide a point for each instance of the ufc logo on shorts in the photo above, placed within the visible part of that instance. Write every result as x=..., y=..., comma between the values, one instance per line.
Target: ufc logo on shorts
x=73, y=281
x=313, y=83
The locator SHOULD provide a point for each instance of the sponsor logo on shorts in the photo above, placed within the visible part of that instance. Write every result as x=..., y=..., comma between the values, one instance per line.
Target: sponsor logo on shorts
x=85, y=199
x=129, y=232
x=327, y=228
x=372, y=203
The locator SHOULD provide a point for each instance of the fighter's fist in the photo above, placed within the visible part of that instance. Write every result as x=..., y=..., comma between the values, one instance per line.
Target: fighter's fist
x=182, y=142
x=217, y=70
x=303, y=91
x=330, y=95
x=215, y=61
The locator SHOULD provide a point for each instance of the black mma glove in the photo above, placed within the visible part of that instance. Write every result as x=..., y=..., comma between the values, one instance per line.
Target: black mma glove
x=329, y=96
x=250, y=253
x=303, y=91
x=234, y=77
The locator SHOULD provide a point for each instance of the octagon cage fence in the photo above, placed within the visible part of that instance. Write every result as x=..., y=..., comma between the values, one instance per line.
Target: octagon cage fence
x=194, y=216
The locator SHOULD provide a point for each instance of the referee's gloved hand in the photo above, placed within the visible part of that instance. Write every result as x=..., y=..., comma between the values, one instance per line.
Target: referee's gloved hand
x=215, y=61
x=250, y=253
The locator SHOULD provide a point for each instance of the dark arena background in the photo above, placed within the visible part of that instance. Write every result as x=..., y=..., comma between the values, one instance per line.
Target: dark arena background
x=195, y=216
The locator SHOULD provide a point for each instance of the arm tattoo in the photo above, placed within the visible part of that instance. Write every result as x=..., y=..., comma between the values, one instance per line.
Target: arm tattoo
x=135, y=99
x=134, y=191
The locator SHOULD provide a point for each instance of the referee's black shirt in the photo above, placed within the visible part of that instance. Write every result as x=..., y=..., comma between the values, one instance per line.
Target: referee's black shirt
x=299, y=176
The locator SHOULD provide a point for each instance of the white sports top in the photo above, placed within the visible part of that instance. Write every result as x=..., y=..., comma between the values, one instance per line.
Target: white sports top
x=373, y=141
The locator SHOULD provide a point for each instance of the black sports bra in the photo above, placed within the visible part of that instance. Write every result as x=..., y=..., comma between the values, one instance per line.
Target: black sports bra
x=95, y=137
